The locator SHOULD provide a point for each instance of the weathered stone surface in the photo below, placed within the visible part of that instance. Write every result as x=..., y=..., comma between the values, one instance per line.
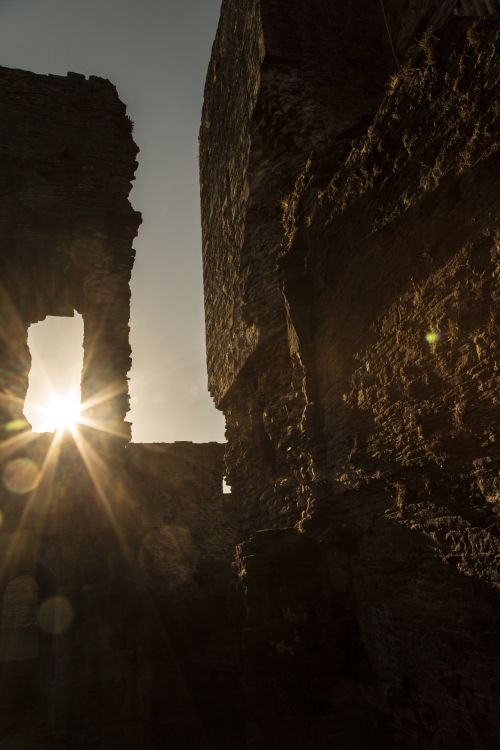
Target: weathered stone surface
x=280, y=84
x=366, y=405
x=150, y=653
x=119, y=613
x=350, y=222
x=306, y=676
x=67, y=161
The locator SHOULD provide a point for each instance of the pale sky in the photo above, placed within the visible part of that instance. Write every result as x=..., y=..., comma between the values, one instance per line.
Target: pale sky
x=156, y=52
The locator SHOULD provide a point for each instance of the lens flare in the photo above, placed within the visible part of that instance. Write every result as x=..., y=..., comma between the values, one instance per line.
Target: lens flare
x=168, y=554
x=55, y=615
x=16, y=425
x=21, y=476
x=432, y=337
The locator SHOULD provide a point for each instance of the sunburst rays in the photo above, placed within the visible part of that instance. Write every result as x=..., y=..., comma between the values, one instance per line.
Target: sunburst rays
x=29, y=472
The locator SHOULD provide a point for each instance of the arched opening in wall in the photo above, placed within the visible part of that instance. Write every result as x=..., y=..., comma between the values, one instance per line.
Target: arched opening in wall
x=19, y=639
x=54, y=392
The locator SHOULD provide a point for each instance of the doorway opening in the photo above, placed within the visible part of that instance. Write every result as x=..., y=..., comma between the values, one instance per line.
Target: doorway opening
x=53, y=400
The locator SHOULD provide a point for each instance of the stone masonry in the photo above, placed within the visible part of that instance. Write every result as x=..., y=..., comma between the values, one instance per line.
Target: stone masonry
x=345, y=594
x=67, y=227
x=118, y=612
x=349, y=192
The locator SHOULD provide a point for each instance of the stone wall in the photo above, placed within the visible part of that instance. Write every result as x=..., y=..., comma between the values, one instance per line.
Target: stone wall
x=350, y=250
x=294, y=90
x=365, y=407
x=67, y=161
x=131, y=640
x=119, y=612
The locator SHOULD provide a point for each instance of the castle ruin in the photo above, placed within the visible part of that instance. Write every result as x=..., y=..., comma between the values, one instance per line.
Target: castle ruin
x=345, y=594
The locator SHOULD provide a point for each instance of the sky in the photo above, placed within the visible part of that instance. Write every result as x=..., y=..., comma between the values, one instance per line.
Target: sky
x=156, y=52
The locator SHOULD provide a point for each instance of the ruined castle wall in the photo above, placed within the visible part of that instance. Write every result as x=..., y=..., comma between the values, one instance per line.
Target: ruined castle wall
x=184, y=483
x=225, y=198
x=251, y=145
x=377, y=412
x=403, y=306
x=137, y=546
x=132, y=544
x=283, y=93
x=66, y=226
x=188, y=535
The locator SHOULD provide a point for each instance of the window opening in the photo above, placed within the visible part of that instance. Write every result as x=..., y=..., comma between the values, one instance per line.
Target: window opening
x=53, y=401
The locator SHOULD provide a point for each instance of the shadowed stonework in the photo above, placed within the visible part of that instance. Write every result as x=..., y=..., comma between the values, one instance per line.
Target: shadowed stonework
x=345, y=594
x=115, y=598
x=118, y=619
x=350, y=244
x=67, y=229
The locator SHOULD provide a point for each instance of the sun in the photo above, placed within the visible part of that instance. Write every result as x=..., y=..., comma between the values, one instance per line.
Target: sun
x=63, y=412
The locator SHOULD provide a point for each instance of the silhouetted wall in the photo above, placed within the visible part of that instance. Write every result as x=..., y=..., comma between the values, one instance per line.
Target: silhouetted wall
x=67, y=161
